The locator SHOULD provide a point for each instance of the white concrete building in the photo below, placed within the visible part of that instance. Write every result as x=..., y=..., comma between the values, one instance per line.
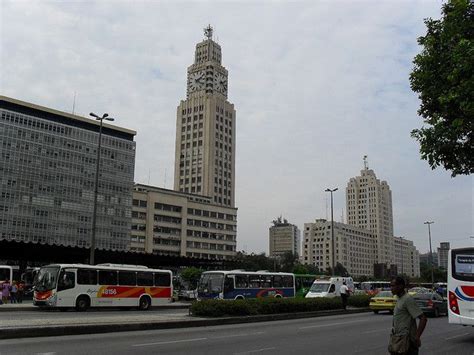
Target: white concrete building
x=407, y=258
x=369, y=206
x=181, y=224
x=355, y=248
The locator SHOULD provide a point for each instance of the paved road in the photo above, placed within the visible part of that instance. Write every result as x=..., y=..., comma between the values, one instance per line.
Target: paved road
x=364, y=333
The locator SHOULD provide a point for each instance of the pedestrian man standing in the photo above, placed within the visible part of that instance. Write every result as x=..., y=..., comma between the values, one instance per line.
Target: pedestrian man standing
x=344, y=291
x=405, y=336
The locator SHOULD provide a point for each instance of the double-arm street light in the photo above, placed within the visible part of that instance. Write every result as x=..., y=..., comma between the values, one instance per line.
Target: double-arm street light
x=332, y=231
x=431, y=252
x=106, y=117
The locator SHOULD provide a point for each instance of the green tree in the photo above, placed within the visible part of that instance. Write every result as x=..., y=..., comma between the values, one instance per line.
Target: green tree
x=191, y=275
x=339, y=270
x=443, y=76
x=439, y=274
x=288, y=261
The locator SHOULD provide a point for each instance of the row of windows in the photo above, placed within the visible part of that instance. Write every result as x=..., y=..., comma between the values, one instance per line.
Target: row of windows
x=198, y=212
x=123, y=278
x=262, y=281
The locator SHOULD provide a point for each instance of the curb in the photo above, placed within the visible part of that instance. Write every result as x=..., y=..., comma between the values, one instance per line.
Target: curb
x=35, y=308
x=30, y=332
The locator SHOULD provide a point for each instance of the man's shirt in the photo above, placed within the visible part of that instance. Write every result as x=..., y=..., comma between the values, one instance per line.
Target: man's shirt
x=404, y=316
x=344, y=290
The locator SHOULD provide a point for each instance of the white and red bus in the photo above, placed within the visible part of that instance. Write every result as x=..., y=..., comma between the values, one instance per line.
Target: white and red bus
x=104, y=285
x=461, y=286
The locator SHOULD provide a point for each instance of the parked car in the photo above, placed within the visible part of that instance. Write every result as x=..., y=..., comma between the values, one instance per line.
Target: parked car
x=431, y=303
x=416, y=290
x=383, y=301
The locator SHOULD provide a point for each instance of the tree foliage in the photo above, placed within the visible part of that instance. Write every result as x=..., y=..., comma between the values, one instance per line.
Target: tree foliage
x=191, y=275
x=443, y=76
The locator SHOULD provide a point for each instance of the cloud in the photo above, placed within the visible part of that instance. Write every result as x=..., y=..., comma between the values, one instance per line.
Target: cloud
x=316, y=86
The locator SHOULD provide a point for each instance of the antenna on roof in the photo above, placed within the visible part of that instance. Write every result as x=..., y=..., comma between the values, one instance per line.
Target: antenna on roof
x=366, y=163
x=74, y=103
x=326, y=199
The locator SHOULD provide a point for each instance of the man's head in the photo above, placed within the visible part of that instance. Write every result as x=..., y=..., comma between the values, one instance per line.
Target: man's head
x=398, y=285
x=343, y=282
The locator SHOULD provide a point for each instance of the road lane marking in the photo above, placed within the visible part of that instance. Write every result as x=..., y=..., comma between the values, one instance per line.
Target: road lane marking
x=237, y=335
x=254, y=351
x=171, y=342
x=377, y=330
x=331, y=324
x=457, y=336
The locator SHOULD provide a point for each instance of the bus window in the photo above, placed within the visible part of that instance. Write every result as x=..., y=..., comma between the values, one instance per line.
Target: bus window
x=254, y=281
x=127, y=278
x=162, y=279
x=332, y=289
x=66, y=280
x=144, y=278
x=86, y=277
x=107, y=277
x=228, y=284
x=287, y=281
x=265, y=281
x=277, y=281
x=241, y=281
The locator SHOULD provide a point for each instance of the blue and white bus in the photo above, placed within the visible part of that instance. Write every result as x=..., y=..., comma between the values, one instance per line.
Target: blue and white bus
x=239, y=284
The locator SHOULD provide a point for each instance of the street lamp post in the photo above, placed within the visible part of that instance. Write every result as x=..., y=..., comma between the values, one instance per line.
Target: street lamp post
x=401, y=248
x=332, y=231
x=106, y=117
x=431, y=252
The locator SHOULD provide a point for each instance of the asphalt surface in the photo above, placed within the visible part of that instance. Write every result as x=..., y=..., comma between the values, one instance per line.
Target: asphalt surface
x=363, y=333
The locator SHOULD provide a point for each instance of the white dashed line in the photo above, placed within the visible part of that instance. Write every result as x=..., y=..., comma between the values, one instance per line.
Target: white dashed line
x=254, y=351
x=171, y=342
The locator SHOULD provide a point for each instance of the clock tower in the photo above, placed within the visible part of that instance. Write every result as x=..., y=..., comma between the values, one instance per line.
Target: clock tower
x=205, y=129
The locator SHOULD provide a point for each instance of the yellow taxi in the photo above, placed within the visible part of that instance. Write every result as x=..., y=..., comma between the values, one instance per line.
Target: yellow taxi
x=383, y=301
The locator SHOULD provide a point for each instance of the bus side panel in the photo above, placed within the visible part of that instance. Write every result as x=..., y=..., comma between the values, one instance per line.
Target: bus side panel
x=260, y=292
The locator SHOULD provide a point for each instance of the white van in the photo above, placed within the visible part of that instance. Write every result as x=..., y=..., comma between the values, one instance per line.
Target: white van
x=329, y=287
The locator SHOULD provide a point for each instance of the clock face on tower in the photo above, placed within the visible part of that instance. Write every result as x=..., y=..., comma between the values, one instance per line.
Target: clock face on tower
x=220, y=83
x=196, y=81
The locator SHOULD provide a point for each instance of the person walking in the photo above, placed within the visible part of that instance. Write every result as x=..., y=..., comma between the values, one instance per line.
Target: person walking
x=344, y=291
x=13, y=292
x=405, y=335
x=20, y=292
x=6, y=291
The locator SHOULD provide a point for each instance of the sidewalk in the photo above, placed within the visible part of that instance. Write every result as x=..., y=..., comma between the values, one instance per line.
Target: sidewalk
x=28, y=306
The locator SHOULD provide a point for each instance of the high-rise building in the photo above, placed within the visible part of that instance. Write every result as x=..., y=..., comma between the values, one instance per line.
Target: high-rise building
x=181, y=224
x=283, y=237
x=205, y=129
x=406, y=257
x=443, y=252
x=354, y=247
x=369, y=206
x=47, y=178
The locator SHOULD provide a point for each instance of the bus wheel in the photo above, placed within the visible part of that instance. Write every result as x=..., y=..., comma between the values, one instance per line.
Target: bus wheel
x=376, y=312
x=144, y=304
x=239, y=297
x=82, y=304
x=277, y=296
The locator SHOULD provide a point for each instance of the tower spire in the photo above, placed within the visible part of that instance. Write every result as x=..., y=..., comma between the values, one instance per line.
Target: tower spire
x=366, y=162
x=208, y=32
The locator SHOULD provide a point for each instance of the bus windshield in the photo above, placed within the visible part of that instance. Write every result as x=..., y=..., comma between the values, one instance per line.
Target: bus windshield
x=464, y=267
x=47, y=278
x=5, y=273
x=211, y=283
x=320, y=287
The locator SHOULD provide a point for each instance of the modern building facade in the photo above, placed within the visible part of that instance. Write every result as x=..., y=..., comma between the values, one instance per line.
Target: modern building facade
x=355, y=248
x=407, y=257
x=175, y=223
x=205, y=129
x=47, y=178
x=369, y=206
x=283, y=237
x=443, y=252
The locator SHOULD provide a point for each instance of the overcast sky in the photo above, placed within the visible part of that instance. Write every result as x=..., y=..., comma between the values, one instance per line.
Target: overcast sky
x=316, y=86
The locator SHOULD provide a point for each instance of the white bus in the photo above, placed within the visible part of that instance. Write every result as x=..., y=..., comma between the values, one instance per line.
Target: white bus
x=103, y=285
x=6, y=273
x=461, y=286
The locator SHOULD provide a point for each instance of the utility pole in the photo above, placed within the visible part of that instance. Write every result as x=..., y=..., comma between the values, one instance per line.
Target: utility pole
x=431, y=252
